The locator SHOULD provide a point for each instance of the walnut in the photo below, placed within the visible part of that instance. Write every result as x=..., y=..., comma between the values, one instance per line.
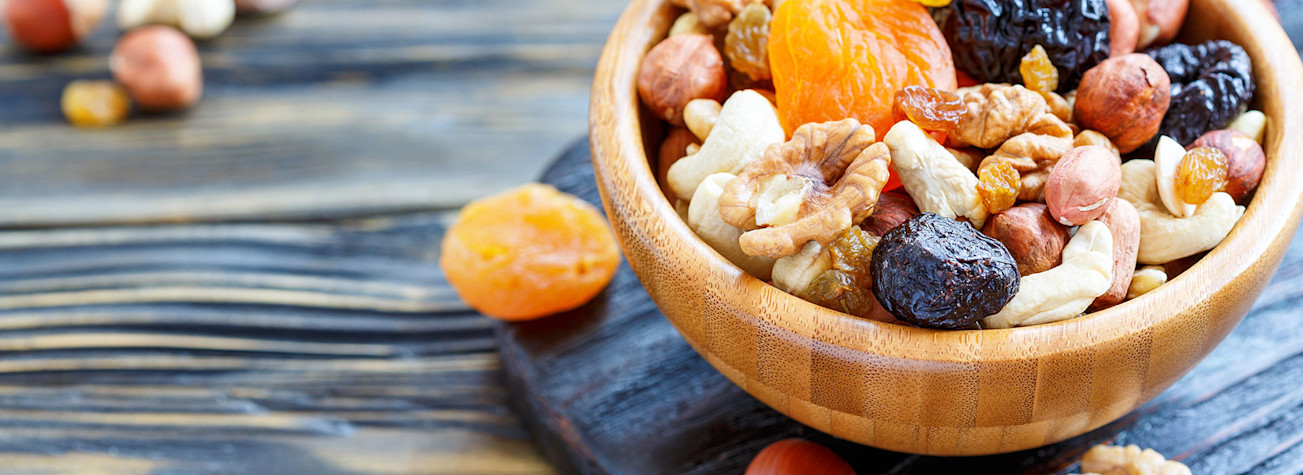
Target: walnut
x=1129, y=460
x=824, y=180
x=1058, y=105
x=968, y=157
x=1091, y=137
x=999, y=112
x=713, y=13
x=1033, y=156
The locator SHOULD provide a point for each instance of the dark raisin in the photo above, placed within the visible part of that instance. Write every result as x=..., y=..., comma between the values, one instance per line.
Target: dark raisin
x=990, y=37
x=1211, y=85
x=936, y=272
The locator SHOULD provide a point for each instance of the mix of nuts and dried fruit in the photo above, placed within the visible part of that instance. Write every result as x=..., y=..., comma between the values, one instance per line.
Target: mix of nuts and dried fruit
x=954, y=164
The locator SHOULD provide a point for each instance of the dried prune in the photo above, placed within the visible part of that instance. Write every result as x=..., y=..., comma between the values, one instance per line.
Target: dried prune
x=990, y=37
x=1211, y=84
x=936, y=272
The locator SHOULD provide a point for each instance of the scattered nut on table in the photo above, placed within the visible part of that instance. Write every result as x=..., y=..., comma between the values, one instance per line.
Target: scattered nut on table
x=937, y=182
x=1245, y=160
x=1032, y=236
x=811, y=188
x=1082, y=184
x=159, y=66
x=1066, y=290
x=704, y=219
x=200, y=19
x=1129, y=460
x=1124, y=224
x=678, y=70
x=51, y=26
x=1164, y=237
x=747, y=125
x=1125, y=98
x=95, y=103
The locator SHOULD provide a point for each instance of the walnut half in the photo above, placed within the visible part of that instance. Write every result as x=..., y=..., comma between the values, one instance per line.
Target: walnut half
x=824, y=180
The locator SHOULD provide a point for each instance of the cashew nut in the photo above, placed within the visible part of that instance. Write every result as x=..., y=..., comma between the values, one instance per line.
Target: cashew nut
x=1067, y=290
x=1167, y=157
x=1163, y=237
x=793, y=274
x=197, y=18
x=1252, y=123
x=747, y=125
x=704, y=219
x=688, y=23
x=700, y=116
x=932, y=176
x=1146, y=280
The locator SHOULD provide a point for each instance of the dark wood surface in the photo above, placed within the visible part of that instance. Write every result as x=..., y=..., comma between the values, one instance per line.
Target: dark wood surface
x=251, y=287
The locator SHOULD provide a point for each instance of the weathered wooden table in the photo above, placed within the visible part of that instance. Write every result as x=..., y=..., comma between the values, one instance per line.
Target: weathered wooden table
x=251, y=287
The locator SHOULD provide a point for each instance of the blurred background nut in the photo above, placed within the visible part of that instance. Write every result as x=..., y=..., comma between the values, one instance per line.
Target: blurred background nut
x=679, y=69
x=159, y=66
x=263, y=7
x=1125, y=99
x=1244, y=160
x=197, y=18
x=1160, y=20
x=95, y=103
x=1082, y=184
x=51, y=26
x=1031, y=235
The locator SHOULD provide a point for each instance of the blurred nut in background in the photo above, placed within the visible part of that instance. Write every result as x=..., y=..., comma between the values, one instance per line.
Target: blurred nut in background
x=159, y=66
x=51, y=26
x=197, y=18
x=95, y=103
x=263, y=7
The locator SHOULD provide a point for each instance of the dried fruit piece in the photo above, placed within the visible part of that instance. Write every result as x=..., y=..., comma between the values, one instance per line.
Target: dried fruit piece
x=990, y=37
x=998, y=185
x=931, y=109
x=528, y=252
x=1038, y=72
x=1201, y=173
x=834, y=59
x=1245, y=160
x=847, y=285
x=936, y=272
x=95, y=103
x=1211, y=84
x=747, y=42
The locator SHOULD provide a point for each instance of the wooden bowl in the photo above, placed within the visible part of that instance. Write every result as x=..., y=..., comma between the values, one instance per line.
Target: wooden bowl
x=945, y=392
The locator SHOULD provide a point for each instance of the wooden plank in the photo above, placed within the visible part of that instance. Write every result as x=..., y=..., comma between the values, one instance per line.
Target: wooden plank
x=337, y=108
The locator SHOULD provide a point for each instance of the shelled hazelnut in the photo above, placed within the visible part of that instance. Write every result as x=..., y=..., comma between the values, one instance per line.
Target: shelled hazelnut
x=159, y=66
x=51, y=26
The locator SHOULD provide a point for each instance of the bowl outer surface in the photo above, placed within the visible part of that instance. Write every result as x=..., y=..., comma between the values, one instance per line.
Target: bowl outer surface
x=946, y=392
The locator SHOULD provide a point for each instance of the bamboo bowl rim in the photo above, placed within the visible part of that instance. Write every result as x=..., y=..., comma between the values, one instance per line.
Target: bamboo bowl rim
x=627, y=182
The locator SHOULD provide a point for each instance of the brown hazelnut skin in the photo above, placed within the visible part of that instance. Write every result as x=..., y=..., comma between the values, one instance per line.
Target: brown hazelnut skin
x=1124, y=98
x=1124, y=224
x=1031, y=235
x=1124, y=27
x=159, y=66
x=1245, y=160
x=891, y=210
x=51, y=26
x=673, y=148
x=679, y=69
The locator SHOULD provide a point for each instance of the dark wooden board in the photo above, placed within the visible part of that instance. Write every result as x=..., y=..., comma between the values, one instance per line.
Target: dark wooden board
x=336, y=108
x=612, y=388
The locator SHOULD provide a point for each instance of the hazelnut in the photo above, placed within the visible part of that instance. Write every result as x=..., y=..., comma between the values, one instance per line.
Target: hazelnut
x=51, y=26
x=891, y=210
x=197, y=18
x=1123, y=223
x=1125, y=99
x=1081, y=184
x=1160, y=20
x=1244, y=160
x=673, y=148
x=679, y=69
x=159, y=66
x=263, y=7
x=1124, y=27
x=797, y=456
x=1031, y=235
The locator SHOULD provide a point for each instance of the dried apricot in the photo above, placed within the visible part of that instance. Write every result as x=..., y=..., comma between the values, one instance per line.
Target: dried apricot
x=1201, y=173
x=935, y=110
x=528, y=252
x=998, y=185
x=1038, y=72
x=834, y=59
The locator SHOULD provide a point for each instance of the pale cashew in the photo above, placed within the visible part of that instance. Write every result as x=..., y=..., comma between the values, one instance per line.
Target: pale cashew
x=1163, y=237
x=197, y=18
x=932, y=176
x=688, y=23
x=1064, y=291
x=703, y=218
x=1252, y=123
x=747, y=125
x=1146, y=280
x=793, y=274
x=700, y=116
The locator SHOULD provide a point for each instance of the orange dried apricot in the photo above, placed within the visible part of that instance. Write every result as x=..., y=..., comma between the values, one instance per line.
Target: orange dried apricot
x=1201, y=173
x=528, y=252
x=837, y=59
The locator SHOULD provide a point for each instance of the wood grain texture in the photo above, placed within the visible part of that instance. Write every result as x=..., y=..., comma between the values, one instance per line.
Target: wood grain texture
x=613, y=388
x=337, y=108
x=938, y=392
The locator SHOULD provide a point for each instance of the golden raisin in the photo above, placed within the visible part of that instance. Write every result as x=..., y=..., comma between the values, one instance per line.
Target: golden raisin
x=1201, y=173
x=528, y=252
x=931, y=109
x=747, y=42
x=934, y=3
x=95, y=103
x=1038, y=73
x=847, y=285
x=998, y=186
